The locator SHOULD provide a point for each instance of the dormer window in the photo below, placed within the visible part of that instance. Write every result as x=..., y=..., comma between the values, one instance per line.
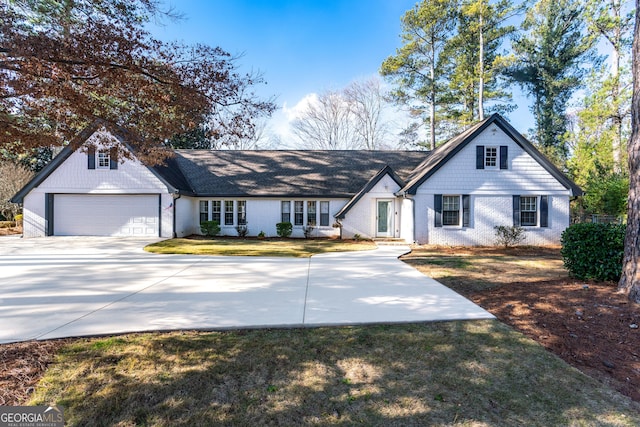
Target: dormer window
x=103, y=160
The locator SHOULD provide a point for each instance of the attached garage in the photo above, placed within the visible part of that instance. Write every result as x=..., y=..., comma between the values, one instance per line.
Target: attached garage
x=105, y=215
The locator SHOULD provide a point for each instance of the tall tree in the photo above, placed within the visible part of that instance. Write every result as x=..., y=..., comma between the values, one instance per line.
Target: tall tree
x=66, y=63
x=609, y=20
x=630, y=279
x=549, y=59
x=474, y=59
x=417, y=67
x=325, y=123
x=366, y=103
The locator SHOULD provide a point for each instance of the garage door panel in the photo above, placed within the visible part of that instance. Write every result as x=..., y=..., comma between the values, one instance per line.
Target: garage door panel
x=105, y=215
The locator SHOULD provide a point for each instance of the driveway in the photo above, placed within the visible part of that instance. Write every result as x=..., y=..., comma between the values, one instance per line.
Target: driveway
x=70, y=286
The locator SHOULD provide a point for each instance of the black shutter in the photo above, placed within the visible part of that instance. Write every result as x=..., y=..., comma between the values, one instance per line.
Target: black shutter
x=437, y=206
x=91, y=157
x=113, y=158
x=504, y=157
x=466, y=212
x=480, y=157
x=516, y=211
x=544, y=211
x=48, y=214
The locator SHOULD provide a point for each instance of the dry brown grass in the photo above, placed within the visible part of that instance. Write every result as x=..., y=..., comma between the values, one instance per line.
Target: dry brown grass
x=456, y=373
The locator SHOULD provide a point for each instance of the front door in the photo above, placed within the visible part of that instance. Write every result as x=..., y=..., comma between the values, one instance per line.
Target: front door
x=384, y=218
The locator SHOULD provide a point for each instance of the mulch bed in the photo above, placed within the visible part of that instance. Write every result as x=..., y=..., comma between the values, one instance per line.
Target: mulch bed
x=589, y=325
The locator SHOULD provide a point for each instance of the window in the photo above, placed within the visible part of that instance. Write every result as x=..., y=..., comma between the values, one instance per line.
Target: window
x=450, y=210
x=528, y=210
x=204, y=211
x=311, y=214
x=216, y=208
x=104, y=159
x=491, y=158
x=242, y=212
x=298, y=213
x=286, y=212
x=324, y=214
x=228, y=212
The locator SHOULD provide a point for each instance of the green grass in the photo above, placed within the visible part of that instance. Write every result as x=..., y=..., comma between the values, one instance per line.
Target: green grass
x=300, y=248
x=479, y=373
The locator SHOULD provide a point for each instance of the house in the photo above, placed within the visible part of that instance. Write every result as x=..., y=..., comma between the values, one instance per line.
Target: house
x=454, y=195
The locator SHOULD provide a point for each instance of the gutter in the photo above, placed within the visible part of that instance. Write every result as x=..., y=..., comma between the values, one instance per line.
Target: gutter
x=174, y=234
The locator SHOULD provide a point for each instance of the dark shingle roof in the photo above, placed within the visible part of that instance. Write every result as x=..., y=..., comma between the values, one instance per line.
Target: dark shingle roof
x=292, y=173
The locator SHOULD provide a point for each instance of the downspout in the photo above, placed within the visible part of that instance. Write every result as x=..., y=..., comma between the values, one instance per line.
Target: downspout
x=174, y=213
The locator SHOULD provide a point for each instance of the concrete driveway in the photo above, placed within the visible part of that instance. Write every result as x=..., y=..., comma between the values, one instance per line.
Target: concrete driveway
x=69, y=286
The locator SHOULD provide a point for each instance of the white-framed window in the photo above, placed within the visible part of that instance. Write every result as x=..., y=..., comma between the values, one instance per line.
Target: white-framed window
x=298, y=212
x=324, y=214
x=528, y=210
x=216, y=210
x=451, y=210
x=285, y=211
x=242, y=212
x=491, y=158
x=228, y=212
x=311, y=213
x=103, y=159
x=204, y=211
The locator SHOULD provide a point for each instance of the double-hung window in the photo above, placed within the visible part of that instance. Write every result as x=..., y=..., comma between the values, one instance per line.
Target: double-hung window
x=204, y=211
x=528, y=210
x=324, y=214
x=104, y=159
x=298, y=212
x=491, y=158
x=228, y=212
x=286, y=212
x=216, y=209
x=311, y=213
x=242, y=212
x=450, y=210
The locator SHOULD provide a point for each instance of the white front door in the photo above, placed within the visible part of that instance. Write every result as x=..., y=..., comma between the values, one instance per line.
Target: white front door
x=384, y=218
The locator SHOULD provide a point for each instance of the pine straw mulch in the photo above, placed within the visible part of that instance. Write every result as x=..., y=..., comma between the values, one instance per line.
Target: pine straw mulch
x=587, y=324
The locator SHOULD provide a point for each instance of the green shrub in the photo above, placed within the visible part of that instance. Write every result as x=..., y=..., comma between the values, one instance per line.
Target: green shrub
x=242, y=230
x=593, y=251
x=509, y=235
x=210, y=228
x=284, y=229
x=18, y=218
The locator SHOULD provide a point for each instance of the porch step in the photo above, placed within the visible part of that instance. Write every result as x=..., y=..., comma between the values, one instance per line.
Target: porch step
x=390, y=242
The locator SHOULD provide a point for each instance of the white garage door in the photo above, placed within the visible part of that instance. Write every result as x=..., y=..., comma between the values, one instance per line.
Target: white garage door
x=105, y=215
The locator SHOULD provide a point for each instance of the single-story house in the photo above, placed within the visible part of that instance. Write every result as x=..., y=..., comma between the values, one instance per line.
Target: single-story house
x=454, y=195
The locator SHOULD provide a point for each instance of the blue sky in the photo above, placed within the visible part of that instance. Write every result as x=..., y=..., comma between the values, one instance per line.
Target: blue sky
x=300, y=47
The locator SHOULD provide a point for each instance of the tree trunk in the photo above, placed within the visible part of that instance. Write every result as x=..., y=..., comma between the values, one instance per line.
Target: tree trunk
x=481, y=71
x=630, y=279
x=616, y=40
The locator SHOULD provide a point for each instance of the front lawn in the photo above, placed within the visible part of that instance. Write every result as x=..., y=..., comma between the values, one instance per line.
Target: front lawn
x=479, y=373
x=300, y=248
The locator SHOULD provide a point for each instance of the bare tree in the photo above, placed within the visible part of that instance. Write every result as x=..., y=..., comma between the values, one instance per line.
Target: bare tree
x=366, y=104
x=326, y=123
x=12, y=178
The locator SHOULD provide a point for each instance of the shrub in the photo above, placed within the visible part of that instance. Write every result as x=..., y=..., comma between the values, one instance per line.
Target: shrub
x=18, y=218
x=593, y=251
x=307, y=231
x=210, y=228
x=509, y=235
x=261, y=235
x=284, y=229
x=242, y=230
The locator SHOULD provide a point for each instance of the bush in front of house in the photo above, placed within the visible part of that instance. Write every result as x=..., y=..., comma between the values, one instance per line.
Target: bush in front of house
x=210, y=228
x=593, y=251
x=508, y=236
x=284, y=229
